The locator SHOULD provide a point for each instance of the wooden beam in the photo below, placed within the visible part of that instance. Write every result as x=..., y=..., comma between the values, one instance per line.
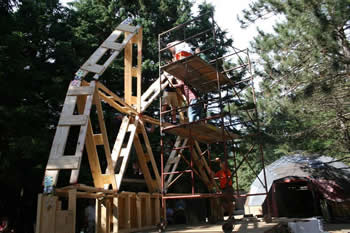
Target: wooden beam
x=60, y=139
x=138, y=211
x=72, y=205
x=39, y=213
x=151, y=156
x=139, y=68
x=127, y=72
x=64, y=162
x=86, y=110
x=143, y=164
x=115, y=218
x=106, y=146
x=114, y=100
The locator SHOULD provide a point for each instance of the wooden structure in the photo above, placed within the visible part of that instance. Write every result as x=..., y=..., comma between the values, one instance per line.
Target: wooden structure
x=122, y=212
x=126, y=211
x=115, y=211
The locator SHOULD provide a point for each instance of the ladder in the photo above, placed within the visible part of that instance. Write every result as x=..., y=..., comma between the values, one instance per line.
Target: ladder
x=202, y=169
x=81, y=96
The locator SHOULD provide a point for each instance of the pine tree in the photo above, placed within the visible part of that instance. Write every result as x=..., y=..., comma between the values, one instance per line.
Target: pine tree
x=305, y=70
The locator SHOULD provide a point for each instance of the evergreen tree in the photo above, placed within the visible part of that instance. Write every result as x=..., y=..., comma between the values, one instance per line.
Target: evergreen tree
x=305, y=70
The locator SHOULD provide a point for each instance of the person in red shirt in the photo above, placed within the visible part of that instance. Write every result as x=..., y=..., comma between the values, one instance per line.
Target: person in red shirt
x=224, y=176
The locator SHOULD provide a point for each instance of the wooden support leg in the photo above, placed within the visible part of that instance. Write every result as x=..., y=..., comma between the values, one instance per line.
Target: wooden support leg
x=105, y=216
x=127, y=212
x=115, y=215
x=39, y=213
x=139, y=211
x=157, y=210
x=98, y=216
x=72, y=206
x=148, y=210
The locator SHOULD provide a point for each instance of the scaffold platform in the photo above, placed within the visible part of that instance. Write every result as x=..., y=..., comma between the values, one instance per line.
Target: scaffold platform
x=196, y=72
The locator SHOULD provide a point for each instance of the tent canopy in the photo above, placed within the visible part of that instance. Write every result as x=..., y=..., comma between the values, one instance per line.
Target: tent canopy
x=329, y=176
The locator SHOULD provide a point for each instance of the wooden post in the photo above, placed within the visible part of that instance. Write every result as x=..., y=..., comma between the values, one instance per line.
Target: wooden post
x=115, y=214
x=157, y=209
x=39, y=213
x=72, y=206
x=105, y=215
x=148, y=211
x=127, y=212
x=128, y=71
x=139, y=69
x=98, y=216
x=139, y=211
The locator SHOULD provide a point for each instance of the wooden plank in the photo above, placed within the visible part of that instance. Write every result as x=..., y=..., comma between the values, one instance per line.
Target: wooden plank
x=148, y=210
x=115, y=215
x=132, y=129
x=72, y=205
x=119, y=141
x=48, y=214
x=104, y=216
x=157, y=210
x=112, y=45
x=72, y=120
x=138, y=211
x=94, y=68
x=105, y=141
x=115, y=53
x=143, y=164
x=153, y=91
x=64, y=162
x=197, y=73
x=98, y=138
x=126, y=28
x=85, y=109
x=204, y=133
x=60, y=139
x=64, y=221
x=98, y=219
x=128, y=72
x=93, y=157
x=114, y=100
x=75, y=91
x=139, y=69
x=151, y=156
x=39, y=213
x=127, y=212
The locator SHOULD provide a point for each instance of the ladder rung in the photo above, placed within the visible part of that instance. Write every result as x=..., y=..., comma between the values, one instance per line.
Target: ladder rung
x=74, y=91
x=95, y=68
x=131, y=128
x=112, y=45
x=126, y=28
x=73, y=120
x=98, y=138
x=181, y=148
x=123, y=152
x=63, y=162
x=173, y=160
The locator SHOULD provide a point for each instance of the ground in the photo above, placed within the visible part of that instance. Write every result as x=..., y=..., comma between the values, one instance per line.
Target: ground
x=245, y=226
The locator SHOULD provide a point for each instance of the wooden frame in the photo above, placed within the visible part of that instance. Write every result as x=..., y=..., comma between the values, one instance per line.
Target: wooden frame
x=123, y=212
x=115, y=212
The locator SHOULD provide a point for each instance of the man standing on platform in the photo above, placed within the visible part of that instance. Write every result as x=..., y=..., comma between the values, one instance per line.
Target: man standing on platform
x=180, y=50
x=224, y=176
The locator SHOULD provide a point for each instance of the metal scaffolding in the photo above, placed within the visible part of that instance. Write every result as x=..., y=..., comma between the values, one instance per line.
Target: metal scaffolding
x=211, y=74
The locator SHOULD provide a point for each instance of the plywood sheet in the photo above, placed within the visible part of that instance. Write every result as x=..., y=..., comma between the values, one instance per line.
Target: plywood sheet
x=205, y=133
x=197, y=73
